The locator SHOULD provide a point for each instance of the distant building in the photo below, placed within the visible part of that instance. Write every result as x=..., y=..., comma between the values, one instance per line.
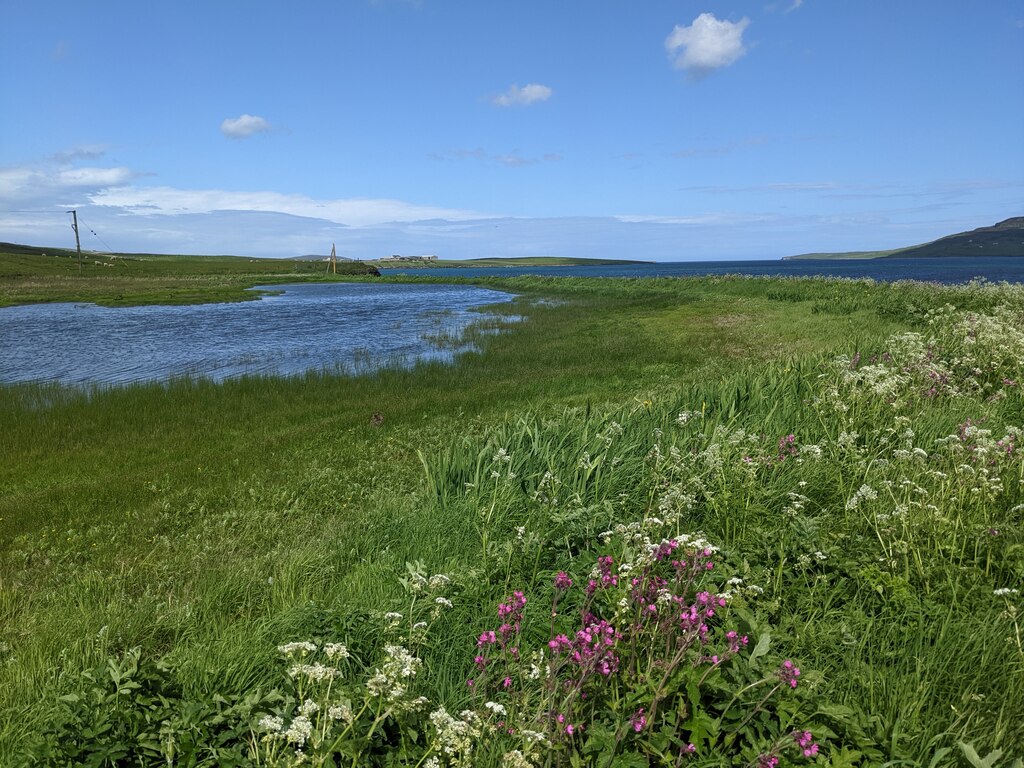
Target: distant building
x=397, y=257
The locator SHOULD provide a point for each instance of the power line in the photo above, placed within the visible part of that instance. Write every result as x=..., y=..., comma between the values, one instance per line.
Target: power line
x=109, y=249
x=55, y=213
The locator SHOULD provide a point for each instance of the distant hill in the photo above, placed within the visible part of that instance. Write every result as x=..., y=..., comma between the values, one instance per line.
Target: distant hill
x=1003, y=239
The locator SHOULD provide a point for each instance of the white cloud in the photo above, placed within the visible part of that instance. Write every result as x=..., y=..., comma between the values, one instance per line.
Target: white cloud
x=353, y=212
x=528, y=94
x=796, y=4
x=29, y=184
x=244, y=126
x=707, y=44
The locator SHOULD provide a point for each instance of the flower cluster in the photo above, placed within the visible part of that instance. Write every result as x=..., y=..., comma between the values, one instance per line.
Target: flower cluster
x=644, y=622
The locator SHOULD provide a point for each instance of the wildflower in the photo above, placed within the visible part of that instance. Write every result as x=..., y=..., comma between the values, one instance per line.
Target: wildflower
x=805, y=741
x=309, y=708
x=638, y=722
x=437, y=581
x=562, y=581
x=336, y=650
x=767, y=761
x=1004, y=592
x=340, y=712
x=788, y=673
x=486, y=638
x=515, y=759
x=302, y=648
x=299, y=730
x=736, y=641
x=496, y=708
x=271, y=723
x=314, y=673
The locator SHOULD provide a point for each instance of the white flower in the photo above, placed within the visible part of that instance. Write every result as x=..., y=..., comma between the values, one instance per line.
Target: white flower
x=299, y=730
x=302, y=647
x=1004, y=592
x=443, y=601
x=340, y=712
x=534, y=737
x=495, y=707
x=437, y=581
x=314, y=672
x=271, y=723
x=336, y=650
x=309, y=708
x=515, y=759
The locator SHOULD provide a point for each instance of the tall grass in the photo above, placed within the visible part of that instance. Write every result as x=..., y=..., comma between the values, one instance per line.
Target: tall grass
x=206, y=524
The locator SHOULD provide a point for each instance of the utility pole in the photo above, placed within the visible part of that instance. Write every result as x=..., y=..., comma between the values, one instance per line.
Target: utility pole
x=78, y=243
x=333, y=266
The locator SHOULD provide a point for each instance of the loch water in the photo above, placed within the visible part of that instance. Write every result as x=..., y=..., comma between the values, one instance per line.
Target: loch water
x=940, y=270
x=334, y=327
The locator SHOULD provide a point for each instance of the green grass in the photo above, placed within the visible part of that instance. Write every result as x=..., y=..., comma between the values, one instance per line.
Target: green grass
x=206, y=523
x=31, y=275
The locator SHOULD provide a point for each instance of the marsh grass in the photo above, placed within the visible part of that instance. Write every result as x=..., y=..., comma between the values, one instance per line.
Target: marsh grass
x=207, y=523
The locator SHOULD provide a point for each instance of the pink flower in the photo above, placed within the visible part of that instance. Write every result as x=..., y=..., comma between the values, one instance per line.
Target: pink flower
x=562, y=581
x=788, y=673
x=638, y=721
x=805, y=740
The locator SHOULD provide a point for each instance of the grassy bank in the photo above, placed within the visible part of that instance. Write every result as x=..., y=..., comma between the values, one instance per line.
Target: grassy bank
x=866, y=481
x=30, y=275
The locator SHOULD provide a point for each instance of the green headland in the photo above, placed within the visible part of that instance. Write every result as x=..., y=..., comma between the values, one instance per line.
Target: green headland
x=1003, y=239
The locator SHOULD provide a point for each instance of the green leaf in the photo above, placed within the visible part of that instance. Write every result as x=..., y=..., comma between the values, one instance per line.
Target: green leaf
x=630, y=760
x=977, y=760
x=762, y=646
x=937, y=757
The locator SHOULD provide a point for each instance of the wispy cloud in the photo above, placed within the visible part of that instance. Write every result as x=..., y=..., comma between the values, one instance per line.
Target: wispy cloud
x=353, y=212
x=244, y=126
x=528, y=94
x=706, y=45
x=796, y=4
x=511, y=159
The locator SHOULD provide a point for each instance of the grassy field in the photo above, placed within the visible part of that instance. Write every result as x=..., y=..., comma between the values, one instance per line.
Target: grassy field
x=851, y=449
x=29, y=274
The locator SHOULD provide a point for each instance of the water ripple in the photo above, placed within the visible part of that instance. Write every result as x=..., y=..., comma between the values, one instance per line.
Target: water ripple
x=335, y=327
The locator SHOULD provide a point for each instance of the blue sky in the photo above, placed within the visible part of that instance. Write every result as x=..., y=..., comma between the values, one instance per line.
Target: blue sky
x=644, y=129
